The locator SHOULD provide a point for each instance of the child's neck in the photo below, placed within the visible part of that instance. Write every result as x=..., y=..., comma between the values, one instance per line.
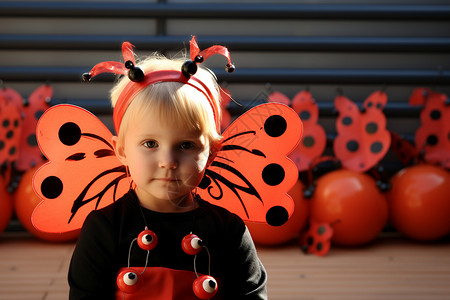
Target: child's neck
x=188, y=203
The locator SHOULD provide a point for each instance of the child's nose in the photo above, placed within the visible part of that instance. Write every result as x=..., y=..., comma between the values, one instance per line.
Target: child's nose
x=168, y=160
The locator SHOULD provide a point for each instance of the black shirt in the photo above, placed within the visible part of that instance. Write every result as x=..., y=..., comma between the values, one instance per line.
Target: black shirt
x=107, y=234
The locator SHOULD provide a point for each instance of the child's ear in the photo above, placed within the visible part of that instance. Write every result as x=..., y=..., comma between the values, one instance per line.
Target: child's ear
x=214, y=149
x=119, y=150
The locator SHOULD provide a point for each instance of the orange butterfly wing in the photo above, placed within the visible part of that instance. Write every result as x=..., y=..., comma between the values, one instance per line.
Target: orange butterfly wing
x=362, y=139
x=83, y=173
x=251, y=174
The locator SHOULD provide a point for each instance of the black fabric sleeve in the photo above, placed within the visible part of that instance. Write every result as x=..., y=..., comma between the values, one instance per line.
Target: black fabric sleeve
x=248, y=276
x=92, y=269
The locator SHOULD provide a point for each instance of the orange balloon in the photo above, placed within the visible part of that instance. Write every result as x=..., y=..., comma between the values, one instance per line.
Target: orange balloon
x=6, y=206
x=419, y=202
x=25, y=200
x=265, y=234
x=352, y=203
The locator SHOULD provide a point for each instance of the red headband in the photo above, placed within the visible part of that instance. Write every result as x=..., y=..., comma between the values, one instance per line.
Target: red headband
x=139, y=80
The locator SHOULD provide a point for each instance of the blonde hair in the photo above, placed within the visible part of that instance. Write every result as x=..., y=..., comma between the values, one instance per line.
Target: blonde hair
x=174, y=101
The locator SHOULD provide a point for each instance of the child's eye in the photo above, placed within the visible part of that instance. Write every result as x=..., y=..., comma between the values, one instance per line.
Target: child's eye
x=187, y=146
x=151, y=144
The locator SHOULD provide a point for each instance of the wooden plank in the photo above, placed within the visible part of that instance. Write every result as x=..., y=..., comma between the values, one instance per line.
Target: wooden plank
x=390, y=268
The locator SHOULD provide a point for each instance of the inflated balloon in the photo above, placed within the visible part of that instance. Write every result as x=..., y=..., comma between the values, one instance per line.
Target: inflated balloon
x=265, y=234
x=353, y=203
x=25, y=201
x=419, y=202
x=6, y=206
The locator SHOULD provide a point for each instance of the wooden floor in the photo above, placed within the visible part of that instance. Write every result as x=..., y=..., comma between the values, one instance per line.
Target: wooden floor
x=390, y=268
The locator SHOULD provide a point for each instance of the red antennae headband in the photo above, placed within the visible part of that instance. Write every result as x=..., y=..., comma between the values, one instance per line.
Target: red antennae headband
x=139, y=80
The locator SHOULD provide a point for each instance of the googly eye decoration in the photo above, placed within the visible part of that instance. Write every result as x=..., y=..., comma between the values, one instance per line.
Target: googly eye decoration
x=205, y=287
x=147, y=240
x=192, y=244
x=128, y=281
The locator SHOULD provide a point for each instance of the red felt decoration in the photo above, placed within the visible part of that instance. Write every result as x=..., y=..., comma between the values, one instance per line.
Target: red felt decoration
x=362, y=139
x=433, y=136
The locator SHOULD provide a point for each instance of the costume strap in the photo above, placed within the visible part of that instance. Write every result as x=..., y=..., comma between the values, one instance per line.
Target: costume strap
x=139, y=80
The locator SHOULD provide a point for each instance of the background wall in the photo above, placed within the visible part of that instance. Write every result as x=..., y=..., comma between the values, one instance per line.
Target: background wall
x=355, y=46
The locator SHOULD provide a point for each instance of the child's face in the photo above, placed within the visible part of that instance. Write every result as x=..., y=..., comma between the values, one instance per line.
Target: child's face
x=166, y=160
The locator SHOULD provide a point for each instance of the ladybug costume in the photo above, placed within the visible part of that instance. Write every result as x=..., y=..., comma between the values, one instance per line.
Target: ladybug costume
x=130, y=252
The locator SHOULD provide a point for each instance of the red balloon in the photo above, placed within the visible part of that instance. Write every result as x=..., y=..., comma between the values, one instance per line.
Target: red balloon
x=25, y=200
x=265, y=234
x=6, y=206
x=419, y=202
x=352, y=203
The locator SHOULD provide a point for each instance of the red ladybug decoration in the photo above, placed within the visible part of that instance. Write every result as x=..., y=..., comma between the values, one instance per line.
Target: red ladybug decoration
x=205, y=287
x=191, y=244
x=419, y=202
x=317, y=240
x=353, y=203
x=433, y=136
x=147, y=239
x=362, y=139
x=128, y=281
x=314, y=138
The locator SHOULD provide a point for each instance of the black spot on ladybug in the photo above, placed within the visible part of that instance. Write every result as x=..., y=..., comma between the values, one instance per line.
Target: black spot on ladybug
x=31, y=140
x=435, y=114
x=16, y=123
x=12, y=150
x=9, y=134
x=319, y=246
x=275, y=126
x=38, y=114
x=352, y=146
x=308, y=141
x=305, y=115
x=321, y=230
x=347, y=121
x=369, y=104
x=432, y=140
x=376, y=147
x=371, y=127
x=273, y=174
x=310, y=240
x=277, y=216
x=69, y=134
x=2, y=145
x=6, y=123
x=51, y=187
x=379, y=105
